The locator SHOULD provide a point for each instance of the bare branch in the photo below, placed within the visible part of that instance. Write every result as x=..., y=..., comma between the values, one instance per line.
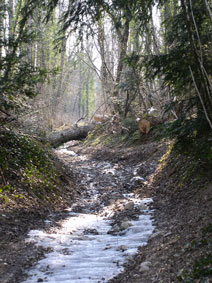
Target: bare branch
x=200, y=97
x=5, y=112
x=197, y=32
x=208, y=9
x=96, y=111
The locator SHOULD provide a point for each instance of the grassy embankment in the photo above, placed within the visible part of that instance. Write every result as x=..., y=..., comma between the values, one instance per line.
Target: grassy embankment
x=30, y=174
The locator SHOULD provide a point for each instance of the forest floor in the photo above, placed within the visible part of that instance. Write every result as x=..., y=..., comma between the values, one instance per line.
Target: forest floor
x=180, y=247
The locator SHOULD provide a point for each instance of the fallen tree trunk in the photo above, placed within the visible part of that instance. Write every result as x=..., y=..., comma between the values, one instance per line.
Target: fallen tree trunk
x=76, y=133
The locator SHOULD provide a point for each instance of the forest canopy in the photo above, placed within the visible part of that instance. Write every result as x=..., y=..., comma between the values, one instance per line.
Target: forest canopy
x=125, y=58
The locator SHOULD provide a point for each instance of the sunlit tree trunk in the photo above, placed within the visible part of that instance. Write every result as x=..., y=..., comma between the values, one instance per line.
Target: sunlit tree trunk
x=123, y=36
x=11, y=16
x=2, y=15
x=80, y=90
x=101, y=42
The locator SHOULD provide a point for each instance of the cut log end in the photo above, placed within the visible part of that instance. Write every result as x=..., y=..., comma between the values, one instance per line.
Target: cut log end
x=144, y=126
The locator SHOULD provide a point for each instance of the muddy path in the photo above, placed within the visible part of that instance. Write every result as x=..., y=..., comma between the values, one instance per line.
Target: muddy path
x=101, y=236
x=103, y=229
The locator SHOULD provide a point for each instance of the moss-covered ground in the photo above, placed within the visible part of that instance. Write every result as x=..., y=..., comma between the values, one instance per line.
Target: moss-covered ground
x=29, y=173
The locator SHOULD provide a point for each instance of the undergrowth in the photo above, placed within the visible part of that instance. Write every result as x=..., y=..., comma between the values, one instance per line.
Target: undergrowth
x=100, y=136
x=26, y=169
x=192, y=138
x=190, y=165
x=125, y=132
x=202, y=266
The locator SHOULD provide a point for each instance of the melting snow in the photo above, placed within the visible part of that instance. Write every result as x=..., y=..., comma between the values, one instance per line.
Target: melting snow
x=82, y=251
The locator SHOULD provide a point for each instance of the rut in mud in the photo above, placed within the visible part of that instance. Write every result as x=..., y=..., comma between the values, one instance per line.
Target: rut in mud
x=102, y=230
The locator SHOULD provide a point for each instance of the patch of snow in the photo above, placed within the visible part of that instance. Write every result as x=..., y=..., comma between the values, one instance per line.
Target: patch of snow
x=68, y=152
x=77, y=256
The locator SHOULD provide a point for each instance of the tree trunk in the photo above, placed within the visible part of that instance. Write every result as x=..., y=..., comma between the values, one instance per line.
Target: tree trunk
x=80, y=90
x=10, y=4
x=123, y=36
x=87, y=93
x=2, y=7
x=58, y=138
x=105, y=76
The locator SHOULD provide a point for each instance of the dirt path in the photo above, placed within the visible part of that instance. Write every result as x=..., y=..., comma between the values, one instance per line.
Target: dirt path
x=102, y=177
x=106, y=224
x=110, y=186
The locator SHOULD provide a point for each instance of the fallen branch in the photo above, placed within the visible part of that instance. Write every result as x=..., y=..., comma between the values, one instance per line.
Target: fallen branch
x=76, y=133
x=5, y=112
